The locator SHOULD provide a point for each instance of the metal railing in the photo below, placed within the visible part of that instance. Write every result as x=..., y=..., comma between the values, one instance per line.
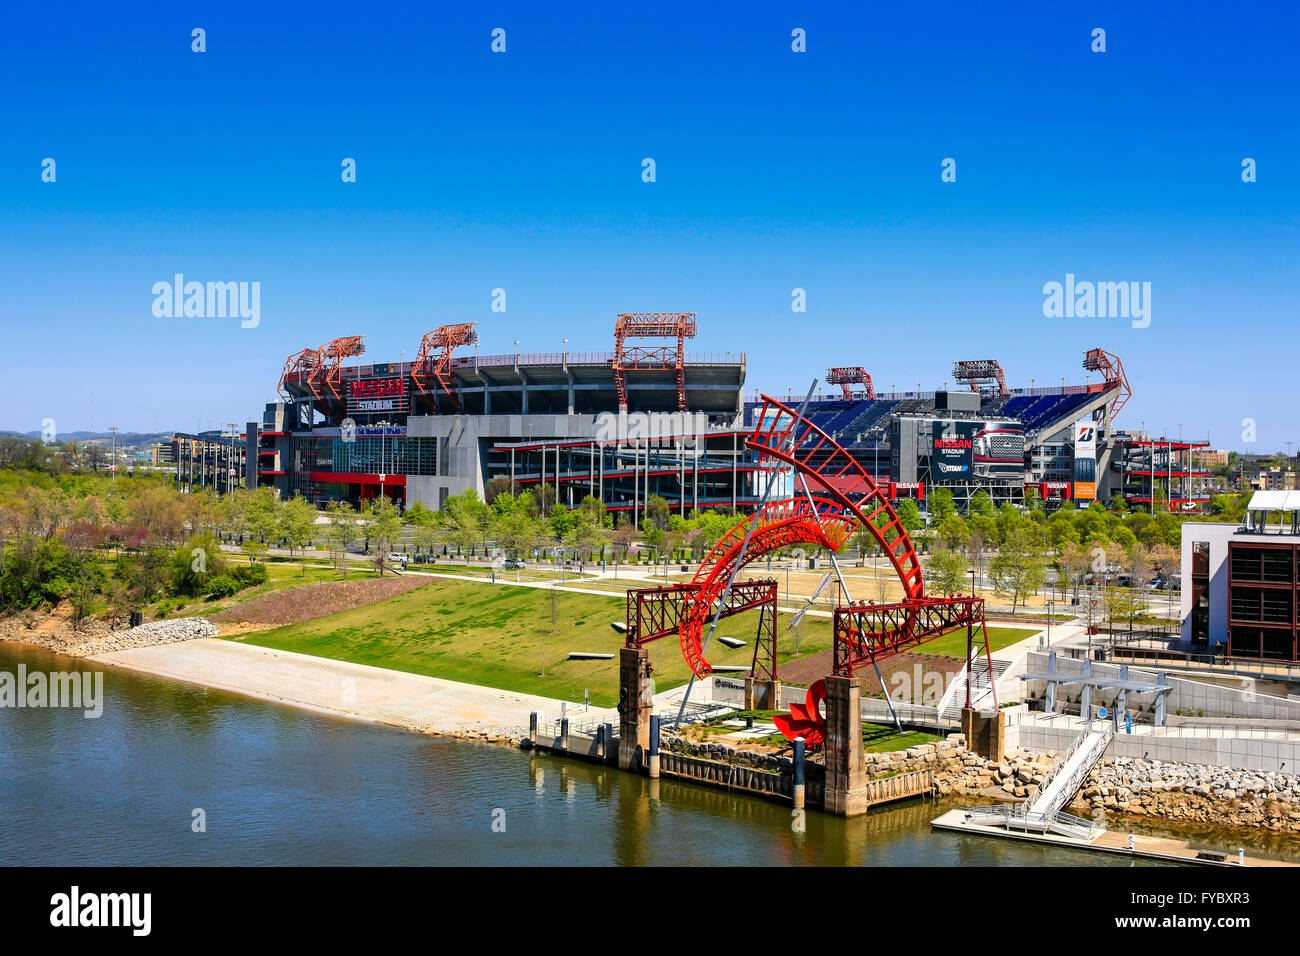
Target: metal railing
x=1015, y=817
x=1081, y=772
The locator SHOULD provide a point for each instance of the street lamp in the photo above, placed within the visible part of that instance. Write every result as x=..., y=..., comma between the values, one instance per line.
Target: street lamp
x=565, y=355
x=112, y=458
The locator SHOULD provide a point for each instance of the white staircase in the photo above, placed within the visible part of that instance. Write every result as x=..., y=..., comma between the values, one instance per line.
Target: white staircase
x=954, y=699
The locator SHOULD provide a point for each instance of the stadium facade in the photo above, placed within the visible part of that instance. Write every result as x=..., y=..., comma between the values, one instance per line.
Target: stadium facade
x=648, y=418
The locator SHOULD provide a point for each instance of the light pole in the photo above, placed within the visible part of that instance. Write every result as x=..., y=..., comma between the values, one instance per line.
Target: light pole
x=232, y=472
x=516, y=353
x=564, y=359
x=112, y=457
x=1050, y=605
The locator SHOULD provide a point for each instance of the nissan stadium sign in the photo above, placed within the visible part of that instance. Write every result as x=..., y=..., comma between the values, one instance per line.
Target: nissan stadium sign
x=377, y=395
x=954, y=447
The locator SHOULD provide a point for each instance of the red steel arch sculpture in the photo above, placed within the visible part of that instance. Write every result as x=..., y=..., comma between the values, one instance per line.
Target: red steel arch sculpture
x=839, y=497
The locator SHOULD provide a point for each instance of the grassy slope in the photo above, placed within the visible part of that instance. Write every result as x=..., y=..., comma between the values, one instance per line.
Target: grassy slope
x=495, y=636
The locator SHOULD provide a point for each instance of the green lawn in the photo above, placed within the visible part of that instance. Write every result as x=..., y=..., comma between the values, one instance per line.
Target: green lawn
x=954, y=644
x=883, y=738
x=495, y=635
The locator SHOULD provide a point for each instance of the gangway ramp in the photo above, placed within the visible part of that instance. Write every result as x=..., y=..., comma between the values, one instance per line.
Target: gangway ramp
x=1041, y=810
x=1064, y=780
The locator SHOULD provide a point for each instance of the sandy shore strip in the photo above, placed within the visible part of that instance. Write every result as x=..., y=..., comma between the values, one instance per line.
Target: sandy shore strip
x=427, y=705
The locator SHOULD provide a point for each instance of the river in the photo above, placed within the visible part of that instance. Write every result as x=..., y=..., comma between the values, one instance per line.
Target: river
x=280, y=786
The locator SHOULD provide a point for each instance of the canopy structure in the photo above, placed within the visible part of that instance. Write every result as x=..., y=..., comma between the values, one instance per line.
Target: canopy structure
x=1054, y=677
x=1262, y=503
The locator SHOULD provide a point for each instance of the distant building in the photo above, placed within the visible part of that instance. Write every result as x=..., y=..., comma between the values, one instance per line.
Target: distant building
x=1240, y=584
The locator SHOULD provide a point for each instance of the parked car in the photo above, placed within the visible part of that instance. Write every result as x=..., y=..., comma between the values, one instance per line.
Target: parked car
x=397, y=557
x=513, y=564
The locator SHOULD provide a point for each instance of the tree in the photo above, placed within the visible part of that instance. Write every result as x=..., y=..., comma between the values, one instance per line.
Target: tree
x=980, y=504
x=941, y=505
x=584, y=536
x=909, y=515
x=865, y=543
x=1019, y=568
x=1166, y=562
x=425, y=538
x=656, y=511
x=467, y=520
x=954, y=531
x=232, y=514
x=342, y=531
x=1074, y=562
x=263, y=523
x=517, y=531
x=947, y=572
x=625, y=535
x=296, y=525
x=385, y=529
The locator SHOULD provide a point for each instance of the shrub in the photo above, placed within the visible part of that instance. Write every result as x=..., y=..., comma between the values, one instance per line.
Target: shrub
x=222, y=586
x=249, y=574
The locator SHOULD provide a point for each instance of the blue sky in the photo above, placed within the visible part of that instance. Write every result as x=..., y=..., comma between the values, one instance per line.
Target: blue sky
x=775, y=170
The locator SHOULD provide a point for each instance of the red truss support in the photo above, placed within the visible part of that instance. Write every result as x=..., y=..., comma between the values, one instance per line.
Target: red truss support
x=844, y=377
x=653, y=613
x=433, y=361
x=1112, y=370
x=651, y=325
x=866, y=632
x=330, y=372
x=302, y=367
x=982, y=375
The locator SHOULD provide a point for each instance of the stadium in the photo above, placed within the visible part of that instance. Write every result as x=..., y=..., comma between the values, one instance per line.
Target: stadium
x=650, y=418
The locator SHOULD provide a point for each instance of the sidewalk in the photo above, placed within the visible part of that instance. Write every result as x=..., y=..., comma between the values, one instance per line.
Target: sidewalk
x=356, y=691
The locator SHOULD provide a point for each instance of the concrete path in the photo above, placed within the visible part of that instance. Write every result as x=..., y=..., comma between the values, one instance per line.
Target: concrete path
x=376, y=694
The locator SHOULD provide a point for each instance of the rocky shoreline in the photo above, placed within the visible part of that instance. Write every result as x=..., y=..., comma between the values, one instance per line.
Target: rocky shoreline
x=1179, y=793
x=99, y=637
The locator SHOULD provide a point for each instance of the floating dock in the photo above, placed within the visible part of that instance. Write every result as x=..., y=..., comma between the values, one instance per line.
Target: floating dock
x=1106, y=841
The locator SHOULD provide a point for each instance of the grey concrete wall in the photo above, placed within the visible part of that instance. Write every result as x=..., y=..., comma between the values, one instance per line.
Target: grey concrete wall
x=1192, y=697
x=1244, y=753
x=463, y=443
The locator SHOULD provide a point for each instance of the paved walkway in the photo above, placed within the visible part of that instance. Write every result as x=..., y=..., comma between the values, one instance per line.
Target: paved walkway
x=397, y=698
x=360, y=692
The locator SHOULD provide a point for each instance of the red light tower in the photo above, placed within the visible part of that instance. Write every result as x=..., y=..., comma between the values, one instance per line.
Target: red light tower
x=844, y=377
x=651, y=325
x=1112, y=370
x=433, y=361
x=982, y=375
